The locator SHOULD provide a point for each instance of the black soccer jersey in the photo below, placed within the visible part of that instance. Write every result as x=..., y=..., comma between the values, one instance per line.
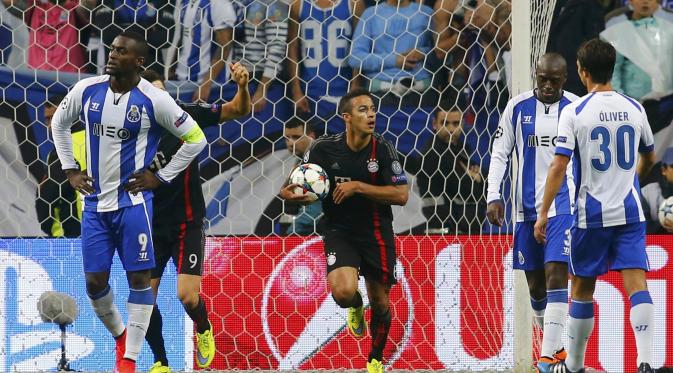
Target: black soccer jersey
x=182, y=200
x=376, y=164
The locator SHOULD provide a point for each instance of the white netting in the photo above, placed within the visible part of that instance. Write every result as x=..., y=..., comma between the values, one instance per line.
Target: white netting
x=453, y=304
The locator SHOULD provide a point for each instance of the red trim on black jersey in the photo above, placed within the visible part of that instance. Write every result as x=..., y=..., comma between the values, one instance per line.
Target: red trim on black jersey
x=181, y=245
x=377, y=222
x=188, y=198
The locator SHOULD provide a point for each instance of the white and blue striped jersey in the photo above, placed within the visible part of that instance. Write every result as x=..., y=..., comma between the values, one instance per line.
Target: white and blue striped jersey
x=122, y=136
x=200, y=20
x=604, y=132
x=530, y=126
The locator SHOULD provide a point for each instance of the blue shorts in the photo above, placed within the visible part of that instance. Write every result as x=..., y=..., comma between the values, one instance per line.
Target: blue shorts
x=127, y=230
x=595, y=251
x=531, y=256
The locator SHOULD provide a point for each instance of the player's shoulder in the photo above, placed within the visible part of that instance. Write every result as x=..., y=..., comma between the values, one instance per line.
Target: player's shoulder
x=521, y=97
x=386, y=144
x=570, y=96
x=327, y=140
x=154, y=94
x=575, y=107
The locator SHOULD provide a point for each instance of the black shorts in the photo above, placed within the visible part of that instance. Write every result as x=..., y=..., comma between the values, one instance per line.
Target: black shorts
x=184, y=243
x=375, y=259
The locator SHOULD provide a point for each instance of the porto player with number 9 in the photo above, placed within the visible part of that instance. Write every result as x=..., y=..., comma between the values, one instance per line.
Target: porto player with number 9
x=366, y=178
x=604, y=131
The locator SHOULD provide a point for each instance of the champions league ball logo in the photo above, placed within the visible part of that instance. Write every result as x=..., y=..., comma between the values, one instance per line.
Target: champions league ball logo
x=301, y=321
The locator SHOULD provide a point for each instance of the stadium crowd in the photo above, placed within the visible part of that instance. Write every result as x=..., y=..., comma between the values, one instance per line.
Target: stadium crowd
x=449, y=58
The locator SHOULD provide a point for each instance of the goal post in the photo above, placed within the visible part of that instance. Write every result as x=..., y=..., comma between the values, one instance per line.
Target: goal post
x=531, y=20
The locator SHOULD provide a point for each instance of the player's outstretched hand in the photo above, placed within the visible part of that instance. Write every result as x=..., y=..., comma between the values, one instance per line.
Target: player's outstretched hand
x=495, y=212
x=80, y=182
x=139, y=181
x=344, y=191
x=540, y=230
x=288, y=194
x=239, y=74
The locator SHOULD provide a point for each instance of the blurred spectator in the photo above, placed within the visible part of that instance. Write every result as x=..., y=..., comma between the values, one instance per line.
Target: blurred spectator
x=322, y=29
x=451, y=185
x=653, y=194
x=573, y=22
x=205, y=46
x=299, y=136
x=151, y=18
x=473, y=45
x=53, y=32
x=390, y=46
x=643, y=38
x=665, y=3
x=263, y=50
x=57, y=205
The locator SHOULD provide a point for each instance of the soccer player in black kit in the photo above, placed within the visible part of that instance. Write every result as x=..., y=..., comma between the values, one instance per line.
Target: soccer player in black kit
x=179, y=211
x=368, y=178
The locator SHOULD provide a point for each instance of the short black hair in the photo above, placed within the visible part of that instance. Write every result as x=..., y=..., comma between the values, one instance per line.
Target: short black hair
x=141, y=44
x=598, y=58
x=152, y=76
x=345, y=102
x=294, y=122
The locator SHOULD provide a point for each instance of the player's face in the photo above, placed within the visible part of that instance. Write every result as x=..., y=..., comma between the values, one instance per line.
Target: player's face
x=362, y=117
x=550, y=81
x=122, y=59
x=159, y=84
x=643, y=8
x=296, y=141
x=667, y=172
x=447, y=126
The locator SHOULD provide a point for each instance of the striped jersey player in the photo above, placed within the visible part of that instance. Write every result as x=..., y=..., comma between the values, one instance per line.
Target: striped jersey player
x=124, y=117
x=529, y=125
x=603, y=132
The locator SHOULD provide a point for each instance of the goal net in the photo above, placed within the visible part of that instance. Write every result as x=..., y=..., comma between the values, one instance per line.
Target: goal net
x=439, y=98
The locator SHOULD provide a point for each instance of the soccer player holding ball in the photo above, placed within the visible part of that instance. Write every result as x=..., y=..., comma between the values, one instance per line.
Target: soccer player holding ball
x=604, y=131
x=366, y=178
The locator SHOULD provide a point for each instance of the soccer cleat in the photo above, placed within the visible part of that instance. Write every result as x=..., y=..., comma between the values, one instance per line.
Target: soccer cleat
x=356, y=320
x=561, y=354
x=543, y=365
x=205, y=347
x=159, y=368
x=375, y=366
x=120, y=348
x=645, y=368
x=560, y=367
x=125, y=366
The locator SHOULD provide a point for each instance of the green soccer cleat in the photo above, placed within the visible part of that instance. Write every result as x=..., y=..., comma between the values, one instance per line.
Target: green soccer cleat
x=205, y=348
x=356, y=320
x=375, y=366
x=159, y=368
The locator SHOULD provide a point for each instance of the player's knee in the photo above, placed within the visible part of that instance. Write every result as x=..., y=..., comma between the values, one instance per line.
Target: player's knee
x=557, y=277
x=343, y=296
x=95, y=285
x=189, y=299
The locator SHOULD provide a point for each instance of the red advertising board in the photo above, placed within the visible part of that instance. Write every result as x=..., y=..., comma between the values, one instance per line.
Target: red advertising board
x=452, y=307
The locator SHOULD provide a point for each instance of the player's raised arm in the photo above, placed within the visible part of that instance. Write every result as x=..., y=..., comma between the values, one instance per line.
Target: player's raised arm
x=240, y=105
x=170, y=116
x=503, y=144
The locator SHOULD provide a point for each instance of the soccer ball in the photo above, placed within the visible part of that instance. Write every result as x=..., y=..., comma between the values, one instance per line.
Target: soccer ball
x=666, y=210
x=313, y=180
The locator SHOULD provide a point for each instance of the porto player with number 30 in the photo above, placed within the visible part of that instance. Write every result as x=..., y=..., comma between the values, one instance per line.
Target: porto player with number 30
x=604, y=131
x=358, y=218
